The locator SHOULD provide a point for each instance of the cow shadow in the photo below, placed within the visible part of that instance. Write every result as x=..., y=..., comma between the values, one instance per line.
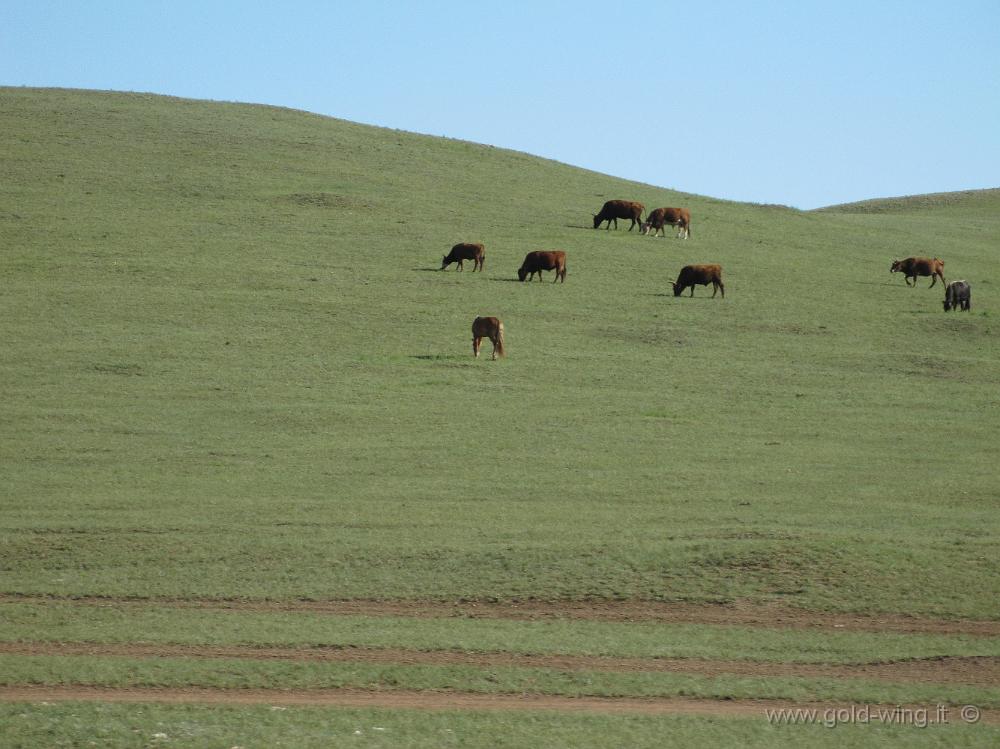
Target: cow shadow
x=450, y=361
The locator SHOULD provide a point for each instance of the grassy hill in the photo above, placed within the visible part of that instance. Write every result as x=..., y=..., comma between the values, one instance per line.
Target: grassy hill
x=968, y=203
x=248, y=459
x=232, y=370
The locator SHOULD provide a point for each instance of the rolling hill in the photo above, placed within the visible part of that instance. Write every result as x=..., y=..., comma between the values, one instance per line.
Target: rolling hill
x=233, y=375
x=227, y=333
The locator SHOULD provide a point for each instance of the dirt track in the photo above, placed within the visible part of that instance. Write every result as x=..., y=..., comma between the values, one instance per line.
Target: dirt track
x=978, y=671
x=737, y=614
x=406, y=700
x=982, y=671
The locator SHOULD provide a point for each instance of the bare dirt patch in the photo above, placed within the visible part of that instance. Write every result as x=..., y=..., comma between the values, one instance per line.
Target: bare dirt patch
x=982, y=671
x=730, y=614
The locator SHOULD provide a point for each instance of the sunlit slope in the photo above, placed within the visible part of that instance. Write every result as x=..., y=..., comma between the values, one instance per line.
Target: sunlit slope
x=982, y=203
x=232, y=369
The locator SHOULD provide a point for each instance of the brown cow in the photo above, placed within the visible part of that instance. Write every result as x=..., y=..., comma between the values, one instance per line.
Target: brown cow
x=919, y=266
x=700, y=274
x=679, y=217
x=488, y=327
x=536, y=262
x=616, y=209
x=465, y=251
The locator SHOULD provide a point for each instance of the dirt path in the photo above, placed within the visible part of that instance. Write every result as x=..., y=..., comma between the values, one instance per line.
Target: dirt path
x=735, y=614
x=981, y=671
x=413, y=700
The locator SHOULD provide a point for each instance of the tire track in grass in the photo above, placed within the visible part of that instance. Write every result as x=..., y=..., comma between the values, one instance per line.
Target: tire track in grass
x=976, y=670
x=733, y=614
x=463, y=701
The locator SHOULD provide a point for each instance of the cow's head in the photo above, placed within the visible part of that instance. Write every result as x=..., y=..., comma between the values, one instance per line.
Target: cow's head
x=678, y=289
x=645, y=227
x=897, y=265
x=597, y=220
x=444, y=262
x=522, y=273
x=947, y=304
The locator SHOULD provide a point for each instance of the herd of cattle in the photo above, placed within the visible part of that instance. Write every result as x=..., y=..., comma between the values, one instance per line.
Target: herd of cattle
x=958, y=294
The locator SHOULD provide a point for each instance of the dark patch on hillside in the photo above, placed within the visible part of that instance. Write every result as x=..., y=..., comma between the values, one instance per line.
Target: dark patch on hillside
x=324, y=200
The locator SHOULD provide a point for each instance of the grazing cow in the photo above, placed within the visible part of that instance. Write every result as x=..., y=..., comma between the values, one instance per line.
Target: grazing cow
x=616, y=209
x=958, y=294
x=465, y=251
x=488, y=327
x=919, y=266
x=679, y=217
x=700, y=274
x=536, y=262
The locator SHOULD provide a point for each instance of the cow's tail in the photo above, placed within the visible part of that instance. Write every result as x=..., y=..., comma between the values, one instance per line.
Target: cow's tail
x=501, y=351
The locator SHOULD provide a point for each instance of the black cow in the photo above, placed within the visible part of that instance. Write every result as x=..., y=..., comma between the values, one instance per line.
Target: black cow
x=958, y=295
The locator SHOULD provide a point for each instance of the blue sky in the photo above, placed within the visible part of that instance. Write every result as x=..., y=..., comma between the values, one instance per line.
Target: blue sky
x=802, y=103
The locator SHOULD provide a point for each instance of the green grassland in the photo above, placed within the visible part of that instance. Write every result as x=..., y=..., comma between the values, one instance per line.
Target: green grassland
x=199, y=726
x=57, y=621
x=232, y=370
x=229, y=370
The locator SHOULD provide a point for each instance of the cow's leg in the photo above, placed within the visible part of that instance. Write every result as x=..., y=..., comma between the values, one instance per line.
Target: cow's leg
x=475, y=346
x=933, y=280
x=692, y=290
x=494, y=342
